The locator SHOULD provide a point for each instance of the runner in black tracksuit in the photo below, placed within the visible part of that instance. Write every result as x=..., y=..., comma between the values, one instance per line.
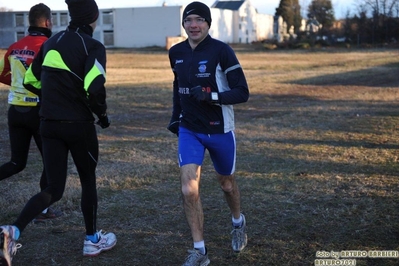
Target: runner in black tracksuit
x=71, y=68
x=69, y=74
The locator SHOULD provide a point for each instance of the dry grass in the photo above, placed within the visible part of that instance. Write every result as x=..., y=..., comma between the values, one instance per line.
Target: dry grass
x=317, y=165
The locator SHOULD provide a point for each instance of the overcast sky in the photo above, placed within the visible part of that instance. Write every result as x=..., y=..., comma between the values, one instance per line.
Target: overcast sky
x=263, y=6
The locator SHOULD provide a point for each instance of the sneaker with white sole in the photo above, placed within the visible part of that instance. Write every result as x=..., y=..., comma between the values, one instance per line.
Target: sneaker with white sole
x=106, y=241
x=8, y=245
x=239, y=240
x=196, y=258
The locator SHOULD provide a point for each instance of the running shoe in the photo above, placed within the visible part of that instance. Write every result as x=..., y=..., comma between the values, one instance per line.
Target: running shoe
x=8, y=245
x=196, y=258
x=239, y=240
x=50, y=214
x=106, y=241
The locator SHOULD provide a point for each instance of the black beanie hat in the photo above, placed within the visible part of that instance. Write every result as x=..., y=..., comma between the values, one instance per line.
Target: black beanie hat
x=199, y=9
x=82, y=12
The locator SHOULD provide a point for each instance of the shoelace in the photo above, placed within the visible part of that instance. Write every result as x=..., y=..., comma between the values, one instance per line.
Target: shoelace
x=14, y=248
x=101, y=233
x=194, y=254
x=237, y=233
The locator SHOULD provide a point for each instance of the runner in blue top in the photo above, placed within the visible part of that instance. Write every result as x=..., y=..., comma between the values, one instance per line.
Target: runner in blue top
x=208, y=81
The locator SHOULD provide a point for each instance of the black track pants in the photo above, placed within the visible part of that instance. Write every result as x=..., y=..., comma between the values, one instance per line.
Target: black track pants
x=23, y=125
x=58, y=139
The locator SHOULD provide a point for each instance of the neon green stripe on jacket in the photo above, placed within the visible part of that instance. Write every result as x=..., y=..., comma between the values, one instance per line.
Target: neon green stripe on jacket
x=94, y=72
x=31, y=79
x=53, y=59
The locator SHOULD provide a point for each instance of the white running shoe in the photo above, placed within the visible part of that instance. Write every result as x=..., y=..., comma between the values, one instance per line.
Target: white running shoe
x=196, y=259
x=106, y=241
x=8, y=245
x=239, y=239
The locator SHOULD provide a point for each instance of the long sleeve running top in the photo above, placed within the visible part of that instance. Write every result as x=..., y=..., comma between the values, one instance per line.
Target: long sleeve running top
x=211, y=64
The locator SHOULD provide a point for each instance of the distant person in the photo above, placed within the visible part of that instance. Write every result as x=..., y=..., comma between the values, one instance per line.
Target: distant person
x=208, y=81
x=69, y=73
x=23, y=112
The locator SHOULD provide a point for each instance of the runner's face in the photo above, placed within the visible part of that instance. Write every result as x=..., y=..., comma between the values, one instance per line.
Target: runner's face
x=196, y=28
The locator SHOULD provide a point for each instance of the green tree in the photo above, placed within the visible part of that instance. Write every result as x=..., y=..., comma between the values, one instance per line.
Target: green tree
x=290, y=11
x=323, y=12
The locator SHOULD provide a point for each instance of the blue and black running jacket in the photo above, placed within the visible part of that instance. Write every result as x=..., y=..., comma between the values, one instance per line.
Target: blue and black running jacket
x=211, y=64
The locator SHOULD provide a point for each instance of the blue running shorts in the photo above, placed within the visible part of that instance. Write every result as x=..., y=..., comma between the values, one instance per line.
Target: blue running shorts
x=221, y=148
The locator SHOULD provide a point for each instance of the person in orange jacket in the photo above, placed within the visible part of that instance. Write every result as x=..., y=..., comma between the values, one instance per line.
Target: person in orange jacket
x=23, y=112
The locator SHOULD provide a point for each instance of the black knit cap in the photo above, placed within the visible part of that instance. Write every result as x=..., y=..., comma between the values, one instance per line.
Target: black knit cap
x=199, y=9
x=82, y=12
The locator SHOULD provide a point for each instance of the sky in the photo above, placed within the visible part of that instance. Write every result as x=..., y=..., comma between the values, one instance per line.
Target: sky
x=263, y=6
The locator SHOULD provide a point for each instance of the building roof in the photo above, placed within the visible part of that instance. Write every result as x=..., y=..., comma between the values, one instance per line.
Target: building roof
x=228, y=4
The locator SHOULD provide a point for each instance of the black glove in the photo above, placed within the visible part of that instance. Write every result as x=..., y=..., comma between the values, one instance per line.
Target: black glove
x=201, y=94
x=174, y=127
x=204, y=94
x=103, y=121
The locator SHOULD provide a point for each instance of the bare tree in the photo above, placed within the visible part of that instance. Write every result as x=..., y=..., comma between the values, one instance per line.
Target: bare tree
x=381, y=7
x=384, y=18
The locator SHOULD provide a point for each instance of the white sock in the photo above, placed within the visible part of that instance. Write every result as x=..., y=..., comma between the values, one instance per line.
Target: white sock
x=200, y=245
x=237, y=222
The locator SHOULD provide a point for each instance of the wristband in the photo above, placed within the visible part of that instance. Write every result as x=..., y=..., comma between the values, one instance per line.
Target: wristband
x=214, y=97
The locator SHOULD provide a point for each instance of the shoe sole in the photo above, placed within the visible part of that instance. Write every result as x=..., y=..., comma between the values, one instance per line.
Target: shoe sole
x=38, y=221
x=98, y=253
x=45, y=219
x=205, y=263
x=238, y=251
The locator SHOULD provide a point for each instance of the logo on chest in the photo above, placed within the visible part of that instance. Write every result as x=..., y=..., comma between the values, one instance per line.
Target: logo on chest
x=202, y=70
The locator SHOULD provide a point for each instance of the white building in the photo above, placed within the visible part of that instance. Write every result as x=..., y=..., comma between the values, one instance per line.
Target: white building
x=248, y=25
x=233, y=21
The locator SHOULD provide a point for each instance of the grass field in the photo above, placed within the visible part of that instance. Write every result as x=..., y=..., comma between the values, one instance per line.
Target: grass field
x=317, y=165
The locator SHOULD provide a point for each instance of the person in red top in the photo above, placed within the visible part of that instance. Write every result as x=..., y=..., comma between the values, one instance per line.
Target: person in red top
x=23, y=112
x=70, y=74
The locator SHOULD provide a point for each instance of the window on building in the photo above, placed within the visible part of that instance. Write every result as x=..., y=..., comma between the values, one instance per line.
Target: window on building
x=109, y=38
x=239, y=26
x=64, y=19
x=108, y=18
x=19, y=20
x=20, y=35
x=54, y=19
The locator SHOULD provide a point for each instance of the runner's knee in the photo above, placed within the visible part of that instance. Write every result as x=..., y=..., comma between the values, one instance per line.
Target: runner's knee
x=227, y=184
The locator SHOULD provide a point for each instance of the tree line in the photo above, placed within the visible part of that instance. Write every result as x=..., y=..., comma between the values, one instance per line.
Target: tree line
x=373, y=22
